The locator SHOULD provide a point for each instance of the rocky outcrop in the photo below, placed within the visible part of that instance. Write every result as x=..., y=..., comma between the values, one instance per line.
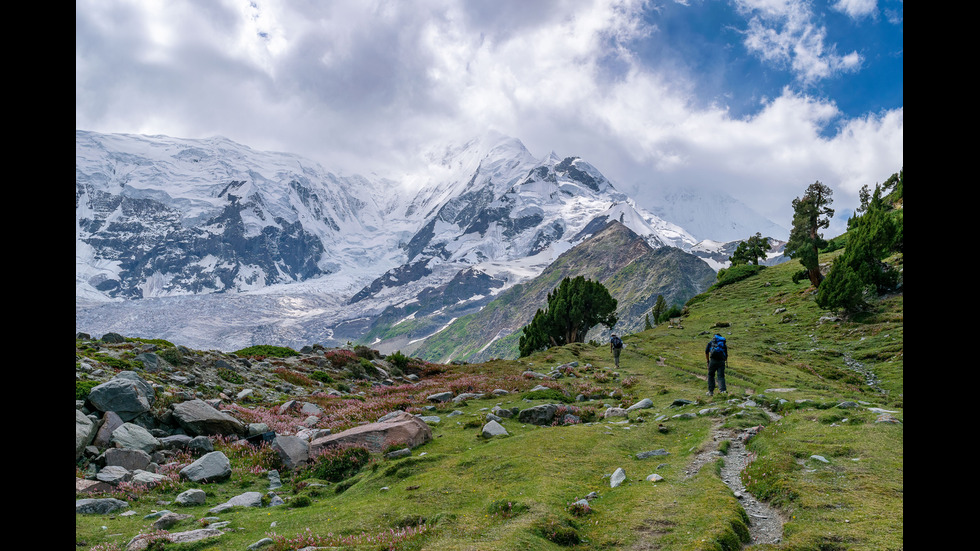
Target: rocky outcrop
x=403, y=429
x=198, y=417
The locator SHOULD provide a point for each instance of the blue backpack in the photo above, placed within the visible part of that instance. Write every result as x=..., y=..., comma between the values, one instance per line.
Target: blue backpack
x=718, y=348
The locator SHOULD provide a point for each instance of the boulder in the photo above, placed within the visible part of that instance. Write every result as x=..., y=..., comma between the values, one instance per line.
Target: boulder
x=211, y=467
x=143, y=541
x=617, y=478
x=614, y=412
x=404, y=429
x=110, y=422
x=90, y=506
x=193, y=496
x=292, y=450
x=134, y=437
x=198, y=417
x=85, y=429
x=153, y=363
x=248, y=499
x=440, y=397
x=127, y=458
x=645, y=403
x=169, y=520
x=538, y=415
x=114, y=475
x=147, y=478
x=494, y=428
x=126, y=394
x=85, y=486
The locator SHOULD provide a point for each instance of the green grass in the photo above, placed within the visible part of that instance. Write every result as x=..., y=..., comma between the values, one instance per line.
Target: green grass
x=458, y=489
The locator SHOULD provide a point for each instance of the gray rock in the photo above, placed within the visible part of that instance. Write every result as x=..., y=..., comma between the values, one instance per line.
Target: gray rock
x=391, y=415
x=615, y=412
x=193, y=496
x=142, y=541
x=211, y=467
x=617, y=478
x=645, y=403
x=99, y=506
x=264, y=542
x=129, y=459
x=153, y=363
x=248, y=499
x=109, y=423
x=134, y=437
x=538, y=415
x=292, y=450
x=199, y=418
x=440, y=397
x=404, y=452
x=169, y=520
x=275, y=482
x=175, y=442
x=534, y=375
x=126, y=394
x=85, y=429
x=114, y=474
x=147, y=478
x=200, y=445
x=405, y=429
x=468, y=396
x=255, y=429
x=492, y=429
x=654, y=453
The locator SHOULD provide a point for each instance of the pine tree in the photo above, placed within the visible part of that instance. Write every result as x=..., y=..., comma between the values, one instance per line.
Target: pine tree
x=750, y=251
x=811, y=213
x=647, y=324
x=658, y=309
x=859, y=274
x=574, y=307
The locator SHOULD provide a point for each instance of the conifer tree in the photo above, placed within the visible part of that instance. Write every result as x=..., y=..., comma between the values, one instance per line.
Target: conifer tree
x=658, y=309
x=750, y=251
x=811, y=213
x=859, y=273
x=574, y=307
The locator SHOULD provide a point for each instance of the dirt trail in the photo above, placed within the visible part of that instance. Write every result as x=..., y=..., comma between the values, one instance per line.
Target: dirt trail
x=765, y=523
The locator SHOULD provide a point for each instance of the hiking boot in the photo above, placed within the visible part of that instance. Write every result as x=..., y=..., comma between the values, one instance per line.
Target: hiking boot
x=709, y=393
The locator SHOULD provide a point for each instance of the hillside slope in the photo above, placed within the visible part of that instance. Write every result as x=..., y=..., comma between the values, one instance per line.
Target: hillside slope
x=817, y=401
x=634, y=273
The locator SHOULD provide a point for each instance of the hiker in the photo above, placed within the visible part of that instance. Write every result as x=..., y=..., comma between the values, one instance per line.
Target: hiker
x=716, y=353
x=615, y=346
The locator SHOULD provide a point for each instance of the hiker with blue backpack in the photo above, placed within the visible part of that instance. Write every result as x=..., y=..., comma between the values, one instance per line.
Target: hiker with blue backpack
x=717, y=355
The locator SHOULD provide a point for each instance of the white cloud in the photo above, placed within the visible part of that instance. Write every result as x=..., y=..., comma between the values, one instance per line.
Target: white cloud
x=783, y=32
x=364, y=86
x=857, y=8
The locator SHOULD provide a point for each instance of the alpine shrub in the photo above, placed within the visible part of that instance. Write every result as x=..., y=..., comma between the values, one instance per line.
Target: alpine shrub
x=339, y=463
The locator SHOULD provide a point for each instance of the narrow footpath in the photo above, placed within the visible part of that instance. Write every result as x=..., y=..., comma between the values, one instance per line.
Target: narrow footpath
x=765, y=523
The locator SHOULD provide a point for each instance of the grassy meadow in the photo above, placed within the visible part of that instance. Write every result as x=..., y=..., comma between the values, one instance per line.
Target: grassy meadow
x=833, y=472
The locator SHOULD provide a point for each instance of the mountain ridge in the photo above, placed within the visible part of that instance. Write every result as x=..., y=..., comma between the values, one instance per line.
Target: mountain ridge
x=299, y=248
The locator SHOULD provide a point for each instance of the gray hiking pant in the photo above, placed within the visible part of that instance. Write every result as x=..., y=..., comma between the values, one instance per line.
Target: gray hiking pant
x=716, y=368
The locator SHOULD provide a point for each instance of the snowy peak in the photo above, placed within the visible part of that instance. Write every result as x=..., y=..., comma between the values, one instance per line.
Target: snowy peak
x=710, y=214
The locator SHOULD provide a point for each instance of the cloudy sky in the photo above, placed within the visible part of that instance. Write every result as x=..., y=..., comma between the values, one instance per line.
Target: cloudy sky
x=758, y=98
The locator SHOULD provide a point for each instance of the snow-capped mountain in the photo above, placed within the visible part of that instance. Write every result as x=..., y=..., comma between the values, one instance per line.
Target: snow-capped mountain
x=710, y=215
x=182, y=228
x=159, y=216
